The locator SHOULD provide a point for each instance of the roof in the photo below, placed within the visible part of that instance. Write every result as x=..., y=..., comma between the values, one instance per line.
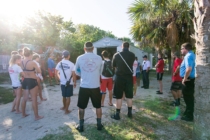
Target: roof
x=107, y=42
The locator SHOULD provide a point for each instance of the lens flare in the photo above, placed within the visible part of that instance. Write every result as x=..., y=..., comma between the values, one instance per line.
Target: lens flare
x=177, y=111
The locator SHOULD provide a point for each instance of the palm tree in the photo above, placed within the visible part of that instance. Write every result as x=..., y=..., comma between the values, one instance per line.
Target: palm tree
x=201, y=130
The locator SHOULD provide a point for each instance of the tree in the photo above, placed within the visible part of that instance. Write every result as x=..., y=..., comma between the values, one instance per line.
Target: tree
x=201, y=129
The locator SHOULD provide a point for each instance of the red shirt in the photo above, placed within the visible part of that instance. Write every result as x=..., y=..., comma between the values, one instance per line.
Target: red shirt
x=176, y=64
x=160, y=66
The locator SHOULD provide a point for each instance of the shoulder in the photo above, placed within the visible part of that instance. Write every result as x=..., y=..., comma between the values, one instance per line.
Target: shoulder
x=71, y=63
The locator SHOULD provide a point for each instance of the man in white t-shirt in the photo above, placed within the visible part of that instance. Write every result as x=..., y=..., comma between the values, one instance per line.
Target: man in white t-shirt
x=135, y=65
x=146, y=67
x=89, y=67
x=67, y=73
x=106, y=78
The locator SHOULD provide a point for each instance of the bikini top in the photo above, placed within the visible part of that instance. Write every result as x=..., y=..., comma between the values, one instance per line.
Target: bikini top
x=24, y=67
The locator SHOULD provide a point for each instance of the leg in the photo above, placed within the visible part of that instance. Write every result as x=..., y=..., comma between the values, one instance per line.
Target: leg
x=50, y=80
x=18, y=97
x=129, y=102
x=81, y=114
x=23, y=104
x=68, y=100
x=64, y=104
x=179, y=93
x=102, y=99
x=144, y=78
x=161, y=86
x=147, y=79
x=118, y=103
x=110, y=97
x=98, y=113
x=33, y=93
x=138, y=81
x=135, y=88
x=40, y=89
x=123, y=98
x=14, y=101
x=175, y=95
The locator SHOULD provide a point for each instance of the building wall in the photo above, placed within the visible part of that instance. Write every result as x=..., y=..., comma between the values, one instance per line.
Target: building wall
x=4, y=63
x=138, y=53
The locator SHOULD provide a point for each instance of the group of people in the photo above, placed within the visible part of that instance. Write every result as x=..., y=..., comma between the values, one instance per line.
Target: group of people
x=96, y=76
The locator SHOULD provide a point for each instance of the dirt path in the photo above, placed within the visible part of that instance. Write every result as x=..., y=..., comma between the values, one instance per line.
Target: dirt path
x=13, y=127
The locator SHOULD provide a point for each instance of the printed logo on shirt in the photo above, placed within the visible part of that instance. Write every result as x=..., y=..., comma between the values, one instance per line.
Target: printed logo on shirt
x=65, y=66
x=89, y=65
x=11, y=71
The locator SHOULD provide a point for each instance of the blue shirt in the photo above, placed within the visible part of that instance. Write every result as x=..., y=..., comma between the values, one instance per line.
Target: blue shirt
x=138, y=68
x=51, y=64
x=189, y=61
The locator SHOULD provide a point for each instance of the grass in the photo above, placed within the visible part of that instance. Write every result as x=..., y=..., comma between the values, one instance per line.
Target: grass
x=6, y=95
x=150, y=122
x=4, y=77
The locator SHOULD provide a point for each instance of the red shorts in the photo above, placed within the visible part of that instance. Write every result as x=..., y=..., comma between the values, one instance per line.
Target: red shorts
x=134, y=80
x=106, y=83
x=51, y=74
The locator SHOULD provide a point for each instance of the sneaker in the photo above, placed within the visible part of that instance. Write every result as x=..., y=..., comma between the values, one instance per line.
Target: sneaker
x=146, y=87
x=129, y=115
x=188, y=119
x=116, y=117
x=142, y=86
x=174, y=104
x=80, y=128
x=159, y=93
x=99, y=126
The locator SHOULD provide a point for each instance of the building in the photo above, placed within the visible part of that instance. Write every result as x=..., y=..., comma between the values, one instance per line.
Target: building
x=113, y=45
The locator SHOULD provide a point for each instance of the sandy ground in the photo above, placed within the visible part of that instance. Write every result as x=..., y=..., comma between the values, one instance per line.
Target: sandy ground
x=14, y=127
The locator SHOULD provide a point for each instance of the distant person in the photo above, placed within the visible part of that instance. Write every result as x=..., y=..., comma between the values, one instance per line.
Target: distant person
x=89, y=67
x=66, y=73
x=51, y=69
x=176, y=85
x=135, y=65
x=146, y=68
x=14, y=72
x=123, y=63
x=187, y=72
x=35, y=58
x=106, y=78
x=29, y=84
x=160, y=67
x=20, y=51
x=138, y=72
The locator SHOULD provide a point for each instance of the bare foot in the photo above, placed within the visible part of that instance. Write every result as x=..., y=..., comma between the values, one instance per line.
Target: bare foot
x=62, y=108
x=67, y=112
x=43, y=99
x=23, y=116
x=38, y=118
x=18, y=112
x=13, y=110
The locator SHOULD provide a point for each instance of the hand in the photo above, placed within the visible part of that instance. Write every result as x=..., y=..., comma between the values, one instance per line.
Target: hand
x=185, y=80
x=174, y=74
x=75, y=84
x=42, y=80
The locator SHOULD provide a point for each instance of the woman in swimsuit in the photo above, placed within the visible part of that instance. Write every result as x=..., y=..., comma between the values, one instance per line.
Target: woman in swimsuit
x=14, y=72
x=30, y=82
x=35, y=58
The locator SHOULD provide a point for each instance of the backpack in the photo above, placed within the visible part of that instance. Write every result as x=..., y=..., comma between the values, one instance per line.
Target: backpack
x=108, y=70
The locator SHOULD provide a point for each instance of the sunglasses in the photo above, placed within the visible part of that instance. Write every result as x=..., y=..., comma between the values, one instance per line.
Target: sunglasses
x=182, y=48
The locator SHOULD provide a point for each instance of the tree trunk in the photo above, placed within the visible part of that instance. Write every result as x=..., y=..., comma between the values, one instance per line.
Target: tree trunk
x=201, y=129
x=173, y=50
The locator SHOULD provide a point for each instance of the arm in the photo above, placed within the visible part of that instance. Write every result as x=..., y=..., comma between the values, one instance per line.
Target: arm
x=140, y=68
x=114, y=62
x=36, y=67
x=77, y=68
x=177, y=70
x=74, y=79
x=148, y=66
x=57, y=73
x=188, y=65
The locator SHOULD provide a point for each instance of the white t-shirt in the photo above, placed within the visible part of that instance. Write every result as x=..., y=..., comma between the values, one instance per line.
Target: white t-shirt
x=135, y=65
x=146, y=64
x=38, y=74
x=14, y=73
x=68, y=67
x=89, y=67
x=103, y=77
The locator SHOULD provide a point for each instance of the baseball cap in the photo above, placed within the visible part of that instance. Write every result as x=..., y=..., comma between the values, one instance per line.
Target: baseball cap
x=66, y=54
x=145, y=56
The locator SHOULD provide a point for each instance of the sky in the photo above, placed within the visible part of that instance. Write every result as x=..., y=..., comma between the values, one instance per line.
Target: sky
x=109, y=15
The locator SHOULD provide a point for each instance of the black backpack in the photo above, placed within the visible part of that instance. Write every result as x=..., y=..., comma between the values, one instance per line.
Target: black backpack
x=108, y=70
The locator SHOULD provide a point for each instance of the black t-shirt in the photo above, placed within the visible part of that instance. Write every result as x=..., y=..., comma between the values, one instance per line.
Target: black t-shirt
x=119, y=64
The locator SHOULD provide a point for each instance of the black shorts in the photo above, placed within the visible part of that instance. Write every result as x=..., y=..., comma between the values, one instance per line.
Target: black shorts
x=123, y=84
x=14, y=88
x=86, y=93
x=176, y=85
x=29, y=83
x=159, y=76
x=67, y=91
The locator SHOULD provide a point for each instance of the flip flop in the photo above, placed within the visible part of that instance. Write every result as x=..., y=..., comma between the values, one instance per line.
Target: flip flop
x=110, y=105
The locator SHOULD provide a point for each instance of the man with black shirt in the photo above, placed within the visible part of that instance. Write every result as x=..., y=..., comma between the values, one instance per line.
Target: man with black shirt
x=123, y=62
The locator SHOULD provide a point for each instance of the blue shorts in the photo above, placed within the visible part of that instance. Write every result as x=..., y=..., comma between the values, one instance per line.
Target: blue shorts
x=67, y=91
x=138, y=74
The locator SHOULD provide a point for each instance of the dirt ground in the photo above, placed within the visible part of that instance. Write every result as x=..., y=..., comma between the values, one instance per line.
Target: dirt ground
x=14, y=127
